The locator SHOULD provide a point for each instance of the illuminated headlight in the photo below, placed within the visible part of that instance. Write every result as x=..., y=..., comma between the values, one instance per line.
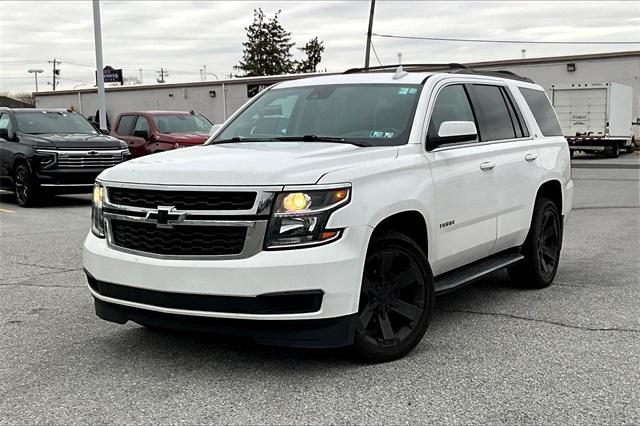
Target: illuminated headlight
x=300, y=218
x=97, y=216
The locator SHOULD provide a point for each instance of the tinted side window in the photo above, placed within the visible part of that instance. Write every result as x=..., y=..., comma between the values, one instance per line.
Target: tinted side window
x=452, y=104
x=141, y=124
x=494, y=118
x=542, y=111
x=125, y=126
x=5, y=122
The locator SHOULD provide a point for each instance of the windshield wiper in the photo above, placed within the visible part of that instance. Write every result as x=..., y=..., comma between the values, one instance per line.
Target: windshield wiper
x=242, y=139
x=316, y=138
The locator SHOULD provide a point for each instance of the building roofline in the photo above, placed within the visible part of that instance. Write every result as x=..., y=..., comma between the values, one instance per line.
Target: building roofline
x=239, y=80
x=278, y=78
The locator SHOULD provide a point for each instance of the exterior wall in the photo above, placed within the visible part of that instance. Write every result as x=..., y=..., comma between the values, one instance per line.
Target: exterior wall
x=186, y=98
x=619, y=70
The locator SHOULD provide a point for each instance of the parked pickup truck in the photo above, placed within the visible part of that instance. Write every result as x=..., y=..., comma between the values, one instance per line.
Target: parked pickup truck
x=155, y=131
x=330, y=211
x=52, y=151
x=595, y=117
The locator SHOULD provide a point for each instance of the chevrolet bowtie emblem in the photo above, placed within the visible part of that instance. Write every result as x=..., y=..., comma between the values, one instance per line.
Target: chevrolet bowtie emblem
x=165, y=216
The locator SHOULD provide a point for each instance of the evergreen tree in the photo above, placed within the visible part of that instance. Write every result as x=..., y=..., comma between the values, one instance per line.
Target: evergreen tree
x=267, y=50
x=313, y=49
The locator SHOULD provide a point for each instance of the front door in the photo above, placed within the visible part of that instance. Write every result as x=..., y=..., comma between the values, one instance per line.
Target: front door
x=464, y=187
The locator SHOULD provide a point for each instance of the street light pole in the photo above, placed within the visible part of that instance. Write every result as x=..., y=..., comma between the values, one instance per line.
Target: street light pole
x=35, y=74
x=369, y=31
x=97, y=32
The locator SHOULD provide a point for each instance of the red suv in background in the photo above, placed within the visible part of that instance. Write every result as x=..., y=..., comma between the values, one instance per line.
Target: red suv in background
x=147, y=132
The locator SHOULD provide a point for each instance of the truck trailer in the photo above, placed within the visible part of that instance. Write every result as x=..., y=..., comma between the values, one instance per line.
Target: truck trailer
x=595, y=117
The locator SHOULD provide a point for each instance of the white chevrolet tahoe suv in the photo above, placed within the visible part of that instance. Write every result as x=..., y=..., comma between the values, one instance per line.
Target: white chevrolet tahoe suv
x=330, y=211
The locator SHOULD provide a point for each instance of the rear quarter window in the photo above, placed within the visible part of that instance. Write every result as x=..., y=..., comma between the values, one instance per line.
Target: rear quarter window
x=542, y=111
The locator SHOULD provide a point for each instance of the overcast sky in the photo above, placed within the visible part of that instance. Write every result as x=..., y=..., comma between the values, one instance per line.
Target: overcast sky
x=182, y=36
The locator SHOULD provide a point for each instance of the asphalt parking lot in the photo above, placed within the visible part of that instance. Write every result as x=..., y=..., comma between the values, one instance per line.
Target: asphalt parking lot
x=493, y=353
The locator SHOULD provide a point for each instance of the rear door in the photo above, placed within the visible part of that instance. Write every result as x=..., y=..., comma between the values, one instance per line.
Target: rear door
x=514, y=152
x=464, y=186
x=581, y=110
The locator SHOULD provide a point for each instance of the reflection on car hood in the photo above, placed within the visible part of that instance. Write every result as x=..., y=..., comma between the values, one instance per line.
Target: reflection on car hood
x=250, y=163
x=81, y=140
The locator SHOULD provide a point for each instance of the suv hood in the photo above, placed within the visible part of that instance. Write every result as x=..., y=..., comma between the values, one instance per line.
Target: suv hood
x=75, y=141
x=246, y=163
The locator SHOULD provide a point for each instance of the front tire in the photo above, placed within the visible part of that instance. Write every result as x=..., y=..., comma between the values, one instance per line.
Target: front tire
x=396, y=299
x=541, y=249
x=26, y=190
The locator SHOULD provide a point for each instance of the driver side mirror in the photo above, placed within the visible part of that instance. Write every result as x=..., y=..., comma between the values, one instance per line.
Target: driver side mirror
x=456, y=132
x=141, y=134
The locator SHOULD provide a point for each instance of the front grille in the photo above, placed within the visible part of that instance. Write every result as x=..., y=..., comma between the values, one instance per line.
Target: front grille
x=182, y=200
x=182, y=240
x=103, y=159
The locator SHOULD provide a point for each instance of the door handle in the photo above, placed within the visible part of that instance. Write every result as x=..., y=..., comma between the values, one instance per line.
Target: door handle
x=530, y=157
x=487, y=165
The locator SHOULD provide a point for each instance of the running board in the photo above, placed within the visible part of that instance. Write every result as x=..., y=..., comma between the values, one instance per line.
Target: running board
x=457, y=278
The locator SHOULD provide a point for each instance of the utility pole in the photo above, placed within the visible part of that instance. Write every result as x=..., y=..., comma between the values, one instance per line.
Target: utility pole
x=140, y=69
x=97, y=32
x=55, y=72
x=162, y=73
x=204, y=72
x=369, y=31
x=35, y=73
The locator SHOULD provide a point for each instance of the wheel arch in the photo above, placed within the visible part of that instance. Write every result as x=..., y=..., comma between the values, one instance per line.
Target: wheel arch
x=552, y=190
x=411, y=223
x=18, y=161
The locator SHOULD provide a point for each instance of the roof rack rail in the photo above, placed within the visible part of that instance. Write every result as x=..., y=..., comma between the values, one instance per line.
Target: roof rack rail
x=497, y=73
x=407, y=67
x=451, y=67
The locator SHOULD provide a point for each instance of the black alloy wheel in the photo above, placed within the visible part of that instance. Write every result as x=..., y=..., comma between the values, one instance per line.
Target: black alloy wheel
x=541, y=249
x=396, y=299
x=25, y=189
x=548, y=244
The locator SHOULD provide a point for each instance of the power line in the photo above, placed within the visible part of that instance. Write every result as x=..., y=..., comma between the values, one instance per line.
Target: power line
x=376, y=54
x=468, y=40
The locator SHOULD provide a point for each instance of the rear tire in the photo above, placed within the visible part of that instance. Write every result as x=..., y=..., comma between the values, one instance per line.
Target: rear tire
x=25, y=189
x=396, y=299
x=541, y=249
x=615, y=151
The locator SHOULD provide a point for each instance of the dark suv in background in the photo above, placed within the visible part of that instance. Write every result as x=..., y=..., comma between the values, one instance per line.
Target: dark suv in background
x=147, y=132
x=52, y=151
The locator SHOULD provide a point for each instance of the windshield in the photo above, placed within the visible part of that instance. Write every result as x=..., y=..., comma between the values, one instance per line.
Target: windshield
x=61, y=122
x=369, y=114
x=182, y=123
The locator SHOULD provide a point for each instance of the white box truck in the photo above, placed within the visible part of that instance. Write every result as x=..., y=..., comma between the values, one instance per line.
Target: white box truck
x=595, y=117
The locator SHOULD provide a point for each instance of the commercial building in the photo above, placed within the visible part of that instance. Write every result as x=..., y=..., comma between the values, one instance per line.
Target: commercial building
x=218, y=99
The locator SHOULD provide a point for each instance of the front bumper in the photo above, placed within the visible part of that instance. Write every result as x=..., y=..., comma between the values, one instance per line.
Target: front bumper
x=334, y=269
x=68, y=180
x=322, y=333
